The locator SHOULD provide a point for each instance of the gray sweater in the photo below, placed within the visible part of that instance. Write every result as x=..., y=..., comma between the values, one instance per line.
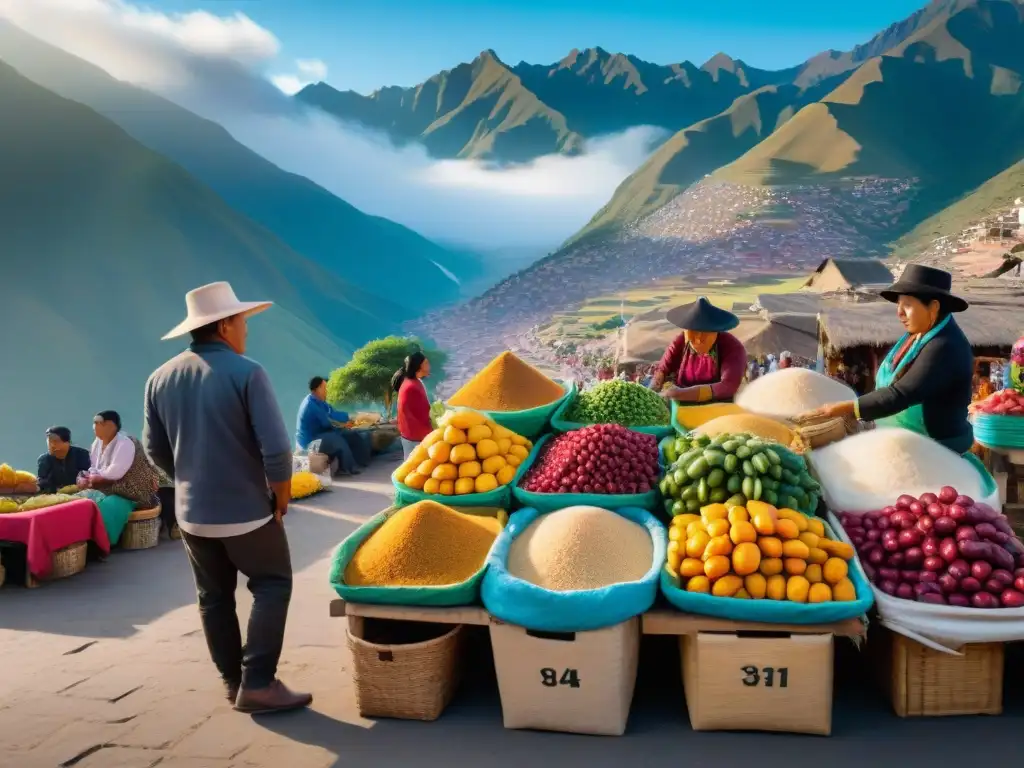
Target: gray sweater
x=212, y=424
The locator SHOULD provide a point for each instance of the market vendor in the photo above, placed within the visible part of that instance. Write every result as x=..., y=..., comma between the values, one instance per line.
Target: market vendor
x=62, y=463
x=925, y=382
x=705, y=363
x=318, y=420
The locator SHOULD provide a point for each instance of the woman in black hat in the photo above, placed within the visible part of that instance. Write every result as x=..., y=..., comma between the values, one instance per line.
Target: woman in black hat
x=705, y=363
x=924, y=383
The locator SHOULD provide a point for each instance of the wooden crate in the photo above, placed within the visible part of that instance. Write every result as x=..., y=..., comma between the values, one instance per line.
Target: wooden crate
x=922, y=682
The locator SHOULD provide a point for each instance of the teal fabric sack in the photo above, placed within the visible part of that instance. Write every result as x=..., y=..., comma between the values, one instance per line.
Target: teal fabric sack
x=773, y=611
x=532, y=422
x=519, y=602
x=499, y=497
x=549, y=502
x=559, y=423
x=466, y=593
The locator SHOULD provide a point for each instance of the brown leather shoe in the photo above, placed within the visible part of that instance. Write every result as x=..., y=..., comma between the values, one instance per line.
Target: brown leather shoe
x=274, y=698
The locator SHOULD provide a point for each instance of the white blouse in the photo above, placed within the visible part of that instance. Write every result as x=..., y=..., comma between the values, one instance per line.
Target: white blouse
x=114, y=461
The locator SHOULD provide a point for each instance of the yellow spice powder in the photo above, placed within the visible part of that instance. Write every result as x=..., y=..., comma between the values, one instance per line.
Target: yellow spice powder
x=507, y=384
x=425, y=544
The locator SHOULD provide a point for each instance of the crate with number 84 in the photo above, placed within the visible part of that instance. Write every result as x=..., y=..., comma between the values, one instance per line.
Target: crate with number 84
x=573, y=682
x=756, y=681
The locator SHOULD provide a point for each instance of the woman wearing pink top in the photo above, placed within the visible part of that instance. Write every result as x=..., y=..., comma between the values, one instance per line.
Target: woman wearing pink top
x=705, y=363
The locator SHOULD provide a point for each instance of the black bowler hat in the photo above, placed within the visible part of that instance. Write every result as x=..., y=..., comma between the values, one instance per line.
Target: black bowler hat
x=925, y=283
x=702, y=315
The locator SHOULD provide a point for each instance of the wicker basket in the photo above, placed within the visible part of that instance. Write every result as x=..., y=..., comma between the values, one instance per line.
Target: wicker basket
x=929, y=683
x=142, y=530
x=821, y=432
x=3, y=575
x=69, y=560
x=318, y=462
x=413, y=681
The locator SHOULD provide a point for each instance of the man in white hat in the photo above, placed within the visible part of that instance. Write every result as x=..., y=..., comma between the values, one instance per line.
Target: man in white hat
x=213, y=425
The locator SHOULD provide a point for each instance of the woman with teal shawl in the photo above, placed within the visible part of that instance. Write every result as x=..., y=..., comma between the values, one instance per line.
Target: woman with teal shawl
x=924, y=383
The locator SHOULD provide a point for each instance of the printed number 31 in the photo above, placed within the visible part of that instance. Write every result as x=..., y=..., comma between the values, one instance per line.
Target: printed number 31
x=549, y=677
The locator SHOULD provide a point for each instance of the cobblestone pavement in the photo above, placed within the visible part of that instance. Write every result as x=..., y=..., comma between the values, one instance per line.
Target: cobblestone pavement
x=109, y=668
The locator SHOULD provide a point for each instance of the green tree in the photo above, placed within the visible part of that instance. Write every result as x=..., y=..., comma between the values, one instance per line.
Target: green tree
x=366, y=378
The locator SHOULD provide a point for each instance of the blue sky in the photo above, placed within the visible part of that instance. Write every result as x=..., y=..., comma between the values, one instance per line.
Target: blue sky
x=401, y=42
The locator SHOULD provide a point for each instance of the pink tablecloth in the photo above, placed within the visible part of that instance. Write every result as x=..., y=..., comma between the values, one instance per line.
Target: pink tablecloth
x=43, y=531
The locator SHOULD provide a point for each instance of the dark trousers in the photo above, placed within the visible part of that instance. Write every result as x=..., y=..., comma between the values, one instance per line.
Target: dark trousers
x=351, y=449
x=263, y=557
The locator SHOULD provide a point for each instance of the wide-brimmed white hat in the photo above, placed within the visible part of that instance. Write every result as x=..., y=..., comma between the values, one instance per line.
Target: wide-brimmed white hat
x=210, y=303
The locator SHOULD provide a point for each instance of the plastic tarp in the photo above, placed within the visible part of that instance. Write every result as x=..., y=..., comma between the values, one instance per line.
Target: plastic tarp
x=773, y=611
x=464, y=593
x=516, y=601
x=945, y=628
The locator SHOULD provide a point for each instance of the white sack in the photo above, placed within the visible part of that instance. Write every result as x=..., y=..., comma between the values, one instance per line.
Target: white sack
x=943, y=627
x=785, y=393
x=869, y=471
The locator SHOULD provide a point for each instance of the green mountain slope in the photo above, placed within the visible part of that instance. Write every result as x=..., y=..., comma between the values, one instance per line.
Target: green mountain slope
x=474, y=110
x=699, y=150
x=102, y=238
x=367, y=250
x=996, y=194
x=944, y=106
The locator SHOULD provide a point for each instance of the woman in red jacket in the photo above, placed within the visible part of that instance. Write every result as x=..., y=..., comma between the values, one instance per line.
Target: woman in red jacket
x=413, y=405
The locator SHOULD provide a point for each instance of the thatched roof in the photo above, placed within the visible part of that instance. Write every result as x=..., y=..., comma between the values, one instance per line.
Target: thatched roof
x=857, y=272
x=985, y=325
x=808, y=302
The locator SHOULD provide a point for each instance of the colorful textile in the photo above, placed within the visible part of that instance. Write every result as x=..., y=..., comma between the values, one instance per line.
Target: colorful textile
x=44, y=531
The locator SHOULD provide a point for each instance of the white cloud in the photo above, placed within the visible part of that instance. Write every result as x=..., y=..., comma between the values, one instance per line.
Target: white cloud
x=217, y=66
x=312, y=70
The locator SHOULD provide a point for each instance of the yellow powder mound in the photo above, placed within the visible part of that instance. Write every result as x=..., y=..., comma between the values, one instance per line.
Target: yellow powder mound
x=747, y=422
x=507, y=384
x=581, y=548
x=425, y=544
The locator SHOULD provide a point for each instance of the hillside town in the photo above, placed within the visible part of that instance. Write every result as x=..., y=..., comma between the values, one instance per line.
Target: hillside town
x=713, y=229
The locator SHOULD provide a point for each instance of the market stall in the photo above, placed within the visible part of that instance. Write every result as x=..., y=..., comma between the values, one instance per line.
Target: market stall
x=56, y=537
x=732, y=536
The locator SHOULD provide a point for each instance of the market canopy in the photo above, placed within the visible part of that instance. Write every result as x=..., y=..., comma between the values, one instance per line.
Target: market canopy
x=986, y=324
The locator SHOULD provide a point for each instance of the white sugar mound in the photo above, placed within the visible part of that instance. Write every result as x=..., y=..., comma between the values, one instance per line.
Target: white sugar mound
x=791, y=391
x=871, y=470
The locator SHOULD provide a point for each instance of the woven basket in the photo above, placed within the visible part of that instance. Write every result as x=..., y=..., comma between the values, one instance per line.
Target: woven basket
x=141, y=534
x=3, y=575
x=821, y=432
x=318, y=462
x=925, y=682
x=412, y=681
x=69, y=560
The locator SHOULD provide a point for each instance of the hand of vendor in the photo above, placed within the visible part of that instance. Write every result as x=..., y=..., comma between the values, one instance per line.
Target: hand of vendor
x=830, y=411
x=681, y=394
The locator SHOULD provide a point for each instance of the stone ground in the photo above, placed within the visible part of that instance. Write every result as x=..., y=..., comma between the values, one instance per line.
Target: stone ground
x=109, y=668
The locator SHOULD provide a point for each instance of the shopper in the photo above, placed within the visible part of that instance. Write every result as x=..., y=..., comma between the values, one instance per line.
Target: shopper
x=213, y=425
x=413, y=403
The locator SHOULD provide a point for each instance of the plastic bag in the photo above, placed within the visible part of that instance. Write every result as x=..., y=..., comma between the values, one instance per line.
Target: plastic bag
x=549, y=502
x=944, y=628
x=559, y=423
x=519, y=602
x=464, y=593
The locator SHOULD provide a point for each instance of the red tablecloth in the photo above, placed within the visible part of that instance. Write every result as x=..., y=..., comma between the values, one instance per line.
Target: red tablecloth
x=43, y=531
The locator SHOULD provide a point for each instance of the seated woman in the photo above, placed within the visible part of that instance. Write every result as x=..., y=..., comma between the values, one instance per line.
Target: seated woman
x=119, y=468
x=704, y=363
